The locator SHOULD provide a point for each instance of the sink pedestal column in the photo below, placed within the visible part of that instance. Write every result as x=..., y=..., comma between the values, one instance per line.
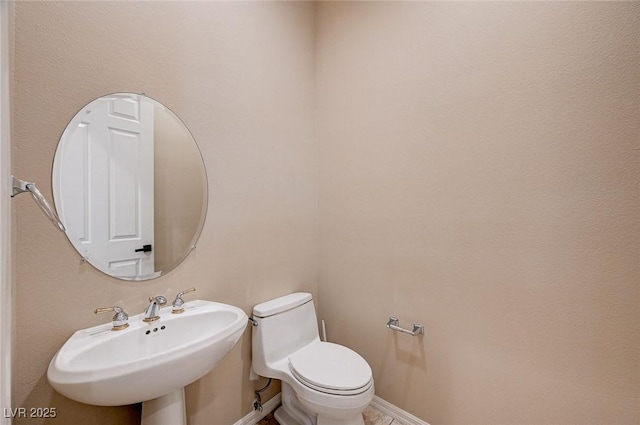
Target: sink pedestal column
x=166, y=410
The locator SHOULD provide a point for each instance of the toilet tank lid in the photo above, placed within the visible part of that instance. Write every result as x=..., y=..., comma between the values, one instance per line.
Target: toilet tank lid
x=279, y=305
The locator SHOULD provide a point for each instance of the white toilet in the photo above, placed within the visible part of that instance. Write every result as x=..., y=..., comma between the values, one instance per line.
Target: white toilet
x=322, y=383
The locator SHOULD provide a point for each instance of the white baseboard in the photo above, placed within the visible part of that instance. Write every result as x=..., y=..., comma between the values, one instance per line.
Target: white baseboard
x=268, y=407
x=395, y=412
x=382, y=405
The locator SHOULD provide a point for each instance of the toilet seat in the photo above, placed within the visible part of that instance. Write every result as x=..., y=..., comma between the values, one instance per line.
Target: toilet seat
x=331, y=368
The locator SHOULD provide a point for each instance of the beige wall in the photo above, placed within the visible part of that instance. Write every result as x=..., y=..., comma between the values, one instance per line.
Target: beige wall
x=178, y=190
x=479, y=173
x=240, y=75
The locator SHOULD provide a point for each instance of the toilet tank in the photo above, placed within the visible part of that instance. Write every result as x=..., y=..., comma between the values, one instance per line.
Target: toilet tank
x=284, y=325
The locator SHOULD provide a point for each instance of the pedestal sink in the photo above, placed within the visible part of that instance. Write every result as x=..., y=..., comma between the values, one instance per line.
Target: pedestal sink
x=147, y=362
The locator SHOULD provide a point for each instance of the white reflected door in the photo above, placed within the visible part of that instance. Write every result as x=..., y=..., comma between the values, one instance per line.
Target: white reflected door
x=108, y=181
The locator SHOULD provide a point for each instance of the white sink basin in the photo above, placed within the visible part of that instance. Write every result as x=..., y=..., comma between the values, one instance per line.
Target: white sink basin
x=146, y=360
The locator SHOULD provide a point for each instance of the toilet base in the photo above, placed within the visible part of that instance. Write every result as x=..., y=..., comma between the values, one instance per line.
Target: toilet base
x=293, y=412
x=284, y=418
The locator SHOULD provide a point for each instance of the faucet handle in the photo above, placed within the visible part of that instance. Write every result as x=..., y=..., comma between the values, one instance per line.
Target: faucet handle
x=120, y=320
x=178, y=303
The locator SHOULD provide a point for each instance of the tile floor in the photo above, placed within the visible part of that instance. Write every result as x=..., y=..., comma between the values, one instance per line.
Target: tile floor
x=371, y=417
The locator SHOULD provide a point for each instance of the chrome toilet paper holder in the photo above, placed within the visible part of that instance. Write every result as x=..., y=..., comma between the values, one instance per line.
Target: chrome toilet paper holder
x=394, y=324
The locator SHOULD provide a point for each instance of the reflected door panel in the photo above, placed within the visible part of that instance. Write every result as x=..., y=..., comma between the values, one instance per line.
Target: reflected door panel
x=109, y=169
x=130, y=186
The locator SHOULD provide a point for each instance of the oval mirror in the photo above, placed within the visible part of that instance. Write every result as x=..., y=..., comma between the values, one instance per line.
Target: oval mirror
x=130, y=186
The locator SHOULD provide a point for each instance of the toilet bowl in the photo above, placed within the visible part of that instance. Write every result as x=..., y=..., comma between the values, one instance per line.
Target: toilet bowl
x=322, y=383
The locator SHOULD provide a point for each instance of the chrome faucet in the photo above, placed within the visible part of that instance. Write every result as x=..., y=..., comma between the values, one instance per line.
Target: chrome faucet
x=152, y=313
